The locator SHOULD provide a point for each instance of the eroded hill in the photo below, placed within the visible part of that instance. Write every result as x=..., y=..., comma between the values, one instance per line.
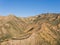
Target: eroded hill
x=43, y=29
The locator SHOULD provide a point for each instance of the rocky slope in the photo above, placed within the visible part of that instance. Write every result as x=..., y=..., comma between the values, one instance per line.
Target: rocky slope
x=43, y=29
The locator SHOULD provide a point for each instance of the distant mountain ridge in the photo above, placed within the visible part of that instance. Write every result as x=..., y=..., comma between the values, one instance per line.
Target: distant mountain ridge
x=43, y=29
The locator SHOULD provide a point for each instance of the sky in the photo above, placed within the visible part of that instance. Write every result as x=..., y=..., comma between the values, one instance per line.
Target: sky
x=26, y=8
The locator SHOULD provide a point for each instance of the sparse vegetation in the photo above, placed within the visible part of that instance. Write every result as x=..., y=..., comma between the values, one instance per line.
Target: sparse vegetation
x=56, y=22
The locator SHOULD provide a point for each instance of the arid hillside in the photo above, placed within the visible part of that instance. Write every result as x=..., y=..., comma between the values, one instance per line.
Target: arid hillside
x=43, y=29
